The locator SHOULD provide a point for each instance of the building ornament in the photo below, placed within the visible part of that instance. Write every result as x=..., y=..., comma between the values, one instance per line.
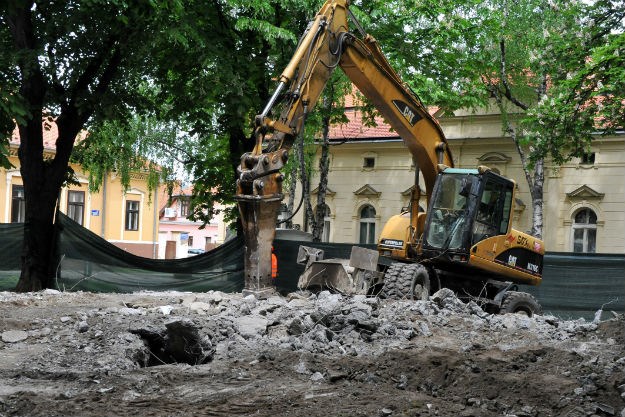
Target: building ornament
x=584, y=193
x=367, y=191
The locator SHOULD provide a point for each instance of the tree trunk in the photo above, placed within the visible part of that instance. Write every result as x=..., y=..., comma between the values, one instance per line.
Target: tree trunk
x=324, y=163
x=38, y=268
x=291, y=204
x=536, y=191
x=309, y=216
x=42, y=185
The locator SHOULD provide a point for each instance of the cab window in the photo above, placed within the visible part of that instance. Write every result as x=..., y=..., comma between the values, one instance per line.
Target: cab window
x=493, y=213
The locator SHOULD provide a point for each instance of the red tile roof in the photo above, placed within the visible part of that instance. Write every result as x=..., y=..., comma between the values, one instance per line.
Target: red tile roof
x=355, y=130
x=50, y=134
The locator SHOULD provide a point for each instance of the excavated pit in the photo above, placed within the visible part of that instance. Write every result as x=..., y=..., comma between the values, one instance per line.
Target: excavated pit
x=179, y=342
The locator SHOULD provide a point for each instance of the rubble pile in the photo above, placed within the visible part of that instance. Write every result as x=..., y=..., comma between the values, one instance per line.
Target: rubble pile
x=187, y=353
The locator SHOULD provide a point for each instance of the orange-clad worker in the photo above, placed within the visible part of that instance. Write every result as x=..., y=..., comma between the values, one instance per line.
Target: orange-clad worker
x=274, y=265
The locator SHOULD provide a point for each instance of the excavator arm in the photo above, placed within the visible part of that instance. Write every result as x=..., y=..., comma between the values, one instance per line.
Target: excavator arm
x=326, y=45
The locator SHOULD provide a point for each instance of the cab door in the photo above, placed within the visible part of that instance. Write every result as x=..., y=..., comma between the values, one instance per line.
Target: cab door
x=493, y=213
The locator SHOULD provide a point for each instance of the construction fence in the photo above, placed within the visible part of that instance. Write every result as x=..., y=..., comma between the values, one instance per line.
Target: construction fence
x=574, y=285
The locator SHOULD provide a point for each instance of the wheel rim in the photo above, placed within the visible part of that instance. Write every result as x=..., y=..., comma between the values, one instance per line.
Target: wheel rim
x=420, y=289
x=417, y=292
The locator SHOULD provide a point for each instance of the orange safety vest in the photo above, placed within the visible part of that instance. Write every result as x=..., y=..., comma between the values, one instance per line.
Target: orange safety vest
x=274, y=266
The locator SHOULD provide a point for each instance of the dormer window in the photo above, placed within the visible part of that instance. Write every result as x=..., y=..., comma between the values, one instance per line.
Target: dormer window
x=368, y=162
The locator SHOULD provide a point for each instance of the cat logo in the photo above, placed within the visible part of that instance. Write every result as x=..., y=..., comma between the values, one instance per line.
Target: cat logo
x=409, y=113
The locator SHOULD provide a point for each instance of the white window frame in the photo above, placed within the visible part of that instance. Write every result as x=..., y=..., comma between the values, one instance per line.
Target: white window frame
x=368, y=223
x=585, y=227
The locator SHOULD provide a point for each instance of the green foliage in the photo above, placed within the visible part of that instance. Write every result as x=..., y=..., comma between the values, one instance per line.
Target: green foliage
x=141, y=144
x=213, y=181
x=437, y=47
x=558, y=66
x=222, y=81
x=586, y=94
x=206, y=70
x=4, y=154
x=104, y=63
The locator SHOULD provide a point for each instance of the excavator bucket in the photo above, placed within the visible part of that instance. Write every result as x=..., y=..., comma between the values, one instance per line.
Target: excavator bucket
x=355, y=275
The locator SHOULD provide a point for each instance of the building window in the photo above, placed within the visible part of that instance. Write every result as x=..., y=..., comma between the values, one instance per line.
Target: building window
x=132, y=215
x=367, y=225
x=184, y=207
x=326, y=224
x=18, y=205
x=190, y=241
x=76, y=206
x=283, y=217
x=585, y=231
x=368, y=162
x=587, y=159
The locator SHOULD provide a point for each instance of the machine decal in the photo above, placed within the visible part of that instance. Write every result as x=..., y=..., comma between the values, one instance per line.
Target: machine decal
x=523, y=241
x=392, y=242
x=408, y=112
x=522, y=259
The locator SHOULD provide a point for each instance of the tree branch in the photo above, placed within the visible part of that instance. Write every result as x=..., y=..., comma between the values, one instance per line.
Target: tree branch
x=504, y=78
x=33, y=85
x=89, y=75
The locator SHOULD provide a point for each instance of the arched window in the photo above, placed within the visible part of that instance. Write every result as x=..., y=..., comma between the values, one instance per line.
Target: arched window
x=585, y=231
x=367, y=224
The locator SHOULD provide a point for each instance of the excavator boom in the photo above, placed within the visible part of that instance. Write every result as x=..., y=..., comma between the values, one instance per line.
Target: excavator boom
x=326, y=45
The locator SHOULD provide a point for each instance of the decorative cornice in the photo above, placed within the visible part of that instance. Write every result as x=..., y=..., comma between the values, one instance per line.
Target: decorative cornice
x=329, y=192
x=585, y=193
x=138, y=176
x=367, y=191
x=408, y=191
x=494, y=158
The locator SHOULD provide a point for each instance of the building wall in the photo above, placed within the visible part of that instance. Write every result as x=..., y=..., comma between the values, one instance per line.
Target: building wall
x=104, y=211
x=179, y=229
x=477, y=139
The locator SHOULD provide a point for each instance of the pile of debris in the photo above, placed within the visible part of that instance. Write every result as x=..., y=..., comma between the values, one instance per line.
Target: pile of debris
x=432, y=357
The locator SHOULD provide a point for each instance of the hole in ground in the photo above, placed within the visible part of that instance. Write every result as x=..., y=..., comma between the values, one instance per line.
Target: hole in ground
x=179, y=342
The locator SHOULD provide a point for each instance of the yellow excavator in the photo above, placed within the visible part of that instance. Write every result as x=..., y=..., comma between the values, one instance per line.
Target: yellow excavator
x=464, y=241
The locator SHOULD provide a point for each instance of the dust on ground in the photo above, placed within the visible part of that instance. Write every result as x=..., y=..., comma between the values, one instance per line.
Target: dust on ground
x=216, y=354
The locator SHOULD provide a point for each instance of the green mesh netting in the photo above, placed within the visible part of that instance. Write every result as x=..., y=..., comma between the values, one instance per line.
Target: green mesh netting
x=574, y=285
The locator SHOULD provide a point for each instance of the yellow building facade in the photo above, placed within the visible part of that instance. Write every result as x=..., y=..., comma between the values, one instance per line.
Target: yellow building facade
x=371, y=174
x=129, y=220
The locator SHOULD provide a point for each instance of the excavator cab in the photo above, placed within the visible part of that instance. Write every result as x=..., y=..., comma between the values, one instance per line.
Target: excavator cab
x=467, y=207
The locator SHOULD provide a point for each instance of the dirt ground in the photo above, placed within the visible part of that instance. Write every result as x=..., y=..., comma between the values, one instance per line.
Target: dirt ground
x=215, y=354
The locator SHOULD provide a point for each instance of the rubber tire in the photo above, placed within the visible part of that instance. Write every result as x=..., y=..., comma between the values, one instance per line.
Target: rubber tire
x=402, y=281
x=520, y=303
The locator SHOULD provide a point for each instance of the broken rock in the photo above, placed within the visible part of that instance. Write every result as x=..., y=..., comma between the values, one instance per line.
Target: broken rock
x=14, y=336
x=251, y=326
